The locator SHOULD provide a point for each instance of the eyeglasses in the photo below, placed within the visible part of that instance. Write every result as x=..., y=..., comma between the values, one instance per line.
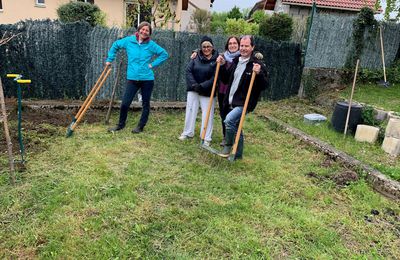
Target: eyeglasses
x=207, y=47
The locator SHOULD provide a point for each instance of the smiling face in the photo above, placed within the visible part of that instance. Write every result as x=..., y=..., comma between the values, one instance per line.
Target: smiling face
x=245, y=47
x=144, y=33
x=233, y=45
x=207, y=49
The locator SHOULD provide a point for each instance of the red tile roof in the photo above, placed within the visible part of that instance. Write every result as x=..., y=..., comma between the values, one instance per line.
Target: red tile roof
x=355, y=5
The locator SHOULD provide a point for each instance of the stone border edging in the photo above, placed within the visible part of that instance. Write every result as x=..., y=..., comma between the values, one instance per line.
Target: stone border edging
x=380, y=182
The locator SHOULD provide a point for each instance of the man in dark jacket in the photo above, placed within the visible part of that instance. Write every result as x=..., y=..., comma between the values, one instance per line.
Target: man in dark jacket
x=238, y=77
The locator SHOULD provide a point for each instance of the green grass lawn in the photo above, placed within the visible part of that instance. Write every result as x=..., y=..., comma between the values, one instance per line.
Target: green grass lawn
x=99, y=195
x=292, y=111
x=375, y=95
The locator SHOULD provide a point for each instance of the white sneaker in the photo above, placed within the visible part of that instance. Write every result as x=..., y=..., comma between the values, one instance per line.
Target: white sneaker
x=183, y=137
x=207, y=143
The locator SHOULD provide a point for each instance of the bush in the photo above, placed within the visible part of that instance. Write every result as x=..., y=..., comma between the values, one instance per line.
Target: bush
x=376, y=75
x=259, y=16
x=218, y=22
x=368, y=116
x=235, y=13
x=202, y=19
x=79, y=11
x=240, y=27
x=278, y=27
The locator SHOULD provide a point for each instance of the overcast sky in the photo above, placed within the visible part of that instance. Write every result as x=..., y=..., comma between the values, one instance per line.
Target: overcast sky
x=227, y=5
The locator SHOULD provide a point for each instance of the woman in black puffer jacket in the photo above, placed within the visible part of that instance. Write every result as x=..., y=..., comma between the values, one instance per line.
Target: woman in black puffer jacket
x=200, y=74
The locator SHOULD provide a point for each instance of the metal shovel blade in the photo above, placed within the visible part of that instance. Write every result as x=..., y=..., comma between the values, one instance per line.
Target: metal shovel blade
x=209, y=149
x=383, y=83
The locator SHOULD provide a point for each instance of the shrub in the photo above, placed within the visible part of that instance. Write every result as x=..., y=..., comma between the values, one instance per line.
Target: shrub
x=235, y=13
x=259, y=16
x=278, y=27
x=368, y=116
x=240, y=27
x=376, y=75
x=79, y=11
x=201, y=18
x=218, y=22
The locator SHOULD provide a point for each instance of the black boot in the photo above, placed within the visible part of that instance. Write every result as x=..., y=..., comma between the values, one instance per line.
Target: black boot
x=115, y=128
x=137, y=130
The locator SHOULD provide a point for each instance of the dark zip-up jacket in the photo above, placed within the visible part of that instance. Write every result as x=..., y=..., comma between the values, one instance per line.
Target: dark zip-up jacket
x=239, y=98
x=200, y=74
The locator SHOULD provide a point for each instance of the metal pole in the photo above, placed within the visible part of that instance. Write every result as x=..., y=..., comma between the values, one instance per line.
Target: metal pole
x=314, y=8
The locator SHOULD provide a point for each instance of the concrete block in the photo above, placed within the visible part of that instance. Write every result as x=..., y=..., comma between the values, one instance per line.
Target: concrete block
x=366, y=133
x=392, y=114
x=314, y=118
x=393, y=128
x=391, y=145
x=380, y=115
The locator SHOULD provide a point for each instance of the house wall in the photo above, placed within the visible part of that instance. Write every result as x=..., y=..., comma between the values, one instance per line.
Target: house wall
x=304, y=11
x=185, y=23
x=12, y=11
x=16, y=10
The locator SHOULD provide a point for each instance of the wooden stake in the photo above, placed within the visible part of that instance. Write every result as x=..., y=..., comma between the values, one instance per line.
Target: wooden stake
x=7, y=134
x=351, y=97
x=383, y=54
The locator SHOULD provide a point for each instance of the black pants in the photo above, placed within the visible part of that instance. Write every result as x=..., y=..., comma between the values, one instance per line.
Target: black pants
x=132, y=87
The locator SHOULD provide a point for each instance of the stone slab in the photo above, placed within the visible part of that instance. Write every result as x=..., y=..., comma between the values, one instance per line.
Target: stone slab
x=366, y=133
x=380, y=115
x=391, y=145
x=393, y=128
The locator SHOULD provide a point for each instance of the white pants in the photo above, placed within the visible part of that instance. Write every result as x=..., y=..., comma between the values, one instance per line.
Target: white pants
x=192, y=107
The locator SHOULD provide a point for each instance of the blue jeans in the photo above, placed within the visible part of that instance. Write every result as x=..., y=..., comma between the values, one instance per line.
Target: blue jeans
x=132, y=87
x=232, y=121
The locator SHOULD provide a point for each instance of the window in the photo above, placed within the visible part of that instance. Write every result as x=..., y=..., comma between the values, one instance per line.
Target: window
x=1, y=5
x=87, y=1
x=40, y=2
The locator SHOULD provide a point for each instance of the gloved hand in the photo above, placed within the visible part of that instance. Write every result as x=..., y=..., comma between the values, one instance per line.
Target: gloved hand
x=258, y=55
x=196, y=87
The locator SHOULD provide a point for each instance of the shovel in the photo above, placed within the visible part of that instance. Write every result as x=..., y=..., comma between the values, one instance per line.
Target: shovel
x=88, y=101
x=203, y=133
x=246, y=103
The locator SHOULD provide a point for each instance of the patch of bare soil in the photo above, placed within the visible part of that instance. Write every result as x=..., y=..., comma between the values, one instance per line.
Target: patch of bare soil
x=345, y=177
x=39, y=124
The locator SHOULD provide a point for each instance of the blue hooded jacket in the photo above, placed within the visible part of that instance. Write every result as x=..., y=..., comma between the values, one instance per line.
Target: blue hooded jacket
x=139, y=57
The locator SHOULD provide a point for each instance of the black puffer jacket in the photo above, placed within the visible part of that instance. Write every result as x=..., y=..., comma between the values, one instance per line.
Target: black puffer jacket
x=260, y=83
x=200, y=74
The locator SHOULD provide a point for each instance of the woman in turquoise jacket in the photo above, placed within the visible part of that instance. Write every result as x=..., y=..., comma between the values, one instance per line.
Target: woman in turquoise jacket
x=140, y=50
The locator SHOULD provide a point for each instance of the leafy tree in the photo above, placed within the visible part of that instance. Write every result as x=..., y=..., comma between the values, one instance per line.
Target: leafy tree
x=259, y=16
x=156, y=12
x=278, y=27
x=80, y=11
x=201, y=18
x=235, y=13
x=240, y=27
x=218, y=22
x=392, y=7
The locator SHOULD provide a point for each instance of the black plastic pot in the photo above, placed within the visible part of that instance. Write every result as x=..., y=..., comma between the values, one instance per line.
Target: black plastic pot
x=340, y=113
